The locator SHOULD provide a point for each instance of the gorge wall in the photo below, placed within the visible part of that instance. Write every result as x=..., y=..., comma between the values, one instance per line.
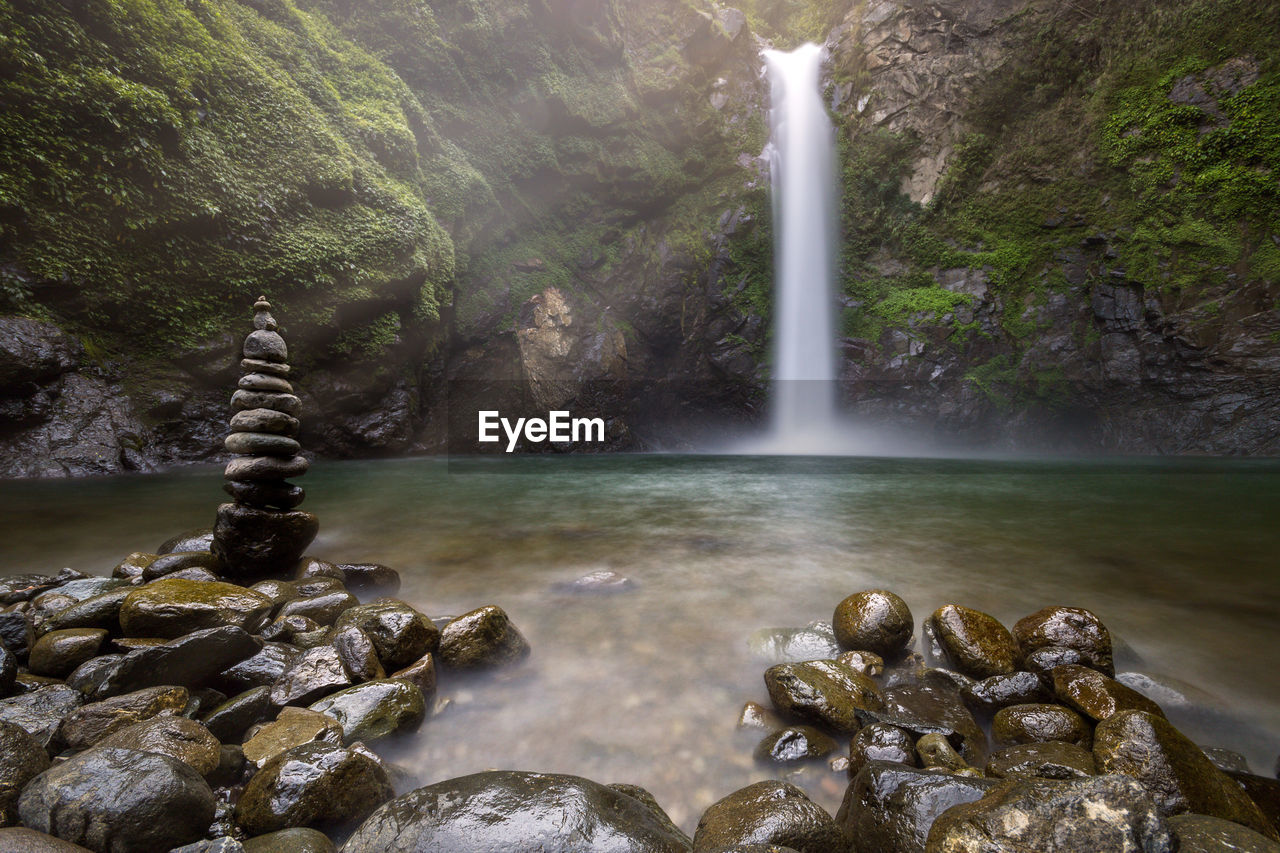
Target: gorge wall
x=1060, y=218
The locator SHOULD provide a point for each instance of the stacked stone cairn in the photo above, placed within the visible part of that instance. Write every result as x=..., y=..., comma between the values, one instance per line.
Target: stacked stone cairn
x=261, y=533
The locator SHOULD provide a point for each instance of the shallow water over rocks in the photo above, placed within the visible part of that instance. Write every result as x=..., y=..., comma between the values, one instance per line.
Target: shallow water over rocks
x=642, y=682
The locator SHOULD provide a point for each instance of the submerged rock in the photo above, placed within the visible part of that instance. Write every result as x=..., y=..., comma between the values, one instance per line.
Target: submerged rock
x=319, y=785
x=500, y=811
x=816, y=641
x=1174, y=770
x=793, y=744
x=1055, y=816
x=119, y=800
x=874, y=621
x=770, y=812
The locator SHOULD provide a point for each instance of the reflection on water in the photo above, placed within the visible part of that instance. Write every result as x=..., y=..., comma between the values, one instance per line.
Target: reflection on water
x=644, y=686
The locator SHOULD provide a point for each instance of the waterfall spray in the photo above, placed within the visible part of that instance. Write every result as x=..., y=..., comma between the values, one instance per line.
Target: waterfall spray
x=802, y=163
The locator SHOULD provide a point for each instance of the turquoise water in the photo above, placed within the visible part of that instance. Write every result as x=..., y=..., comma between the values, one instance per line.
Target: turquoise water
x=1178, y=558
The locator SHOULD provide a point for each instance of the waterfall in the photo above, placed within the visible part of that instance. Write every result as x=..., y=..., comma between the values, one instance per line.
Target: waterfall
x=803, y=166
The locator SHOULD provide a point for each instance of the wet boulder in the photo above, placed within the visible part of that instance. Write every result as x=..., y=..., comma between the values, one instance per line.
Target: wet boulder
x=1174, y=770
x=293, y=727
x=881, y=742
x=1197, y=833
x=770, y=812
x=229, y=720
x=19, y=838
x=400, y=634
x=1000, y=691
x=1067, y=627
x=1055, y=816
x=874, y=621
x=370, y=578
x=889, y=807
x=198, y=539
x=172, y=607
x=177, y=737
x=189, y=661
x=929, y=709
x=482, y=639
x=22, y=758
x=825, y=693
x=375, y=709
x=422, y=674
x=358, y=653
x=98, y=611
x=794, y=744
x=297, y=840
x=499, y=811
x=969, y=641
x=815, y=641
x=181, y=561
x=119, y=800
x=310, y=676
x=58, y=653
x=8, y=670
x=258, y=670
x=1038, y=724
x=1050, y=760
x=40, y=711
x=1097, y=696
x=324, y=608
x=319, y=785
x=91, y=723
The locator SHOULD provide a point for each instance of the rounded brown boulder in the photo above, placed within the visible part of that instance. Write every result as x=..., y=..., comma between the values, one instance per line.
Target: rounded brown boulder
x=969, y=641
x=874, y=620
x=482, y=639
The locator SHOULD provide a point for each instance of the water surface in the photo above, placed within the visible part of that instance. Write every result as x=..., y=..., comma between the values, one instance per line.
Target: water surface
x=1178, y=558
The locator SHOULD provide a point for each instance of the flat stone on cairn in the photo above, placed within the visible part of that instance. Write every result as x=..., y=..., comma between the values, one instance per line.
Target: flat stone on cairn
x=261, y=533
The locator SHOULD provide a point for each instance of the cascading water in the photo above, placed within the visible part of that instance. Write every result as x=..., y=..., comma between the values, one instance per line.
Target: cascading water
x=803, y=167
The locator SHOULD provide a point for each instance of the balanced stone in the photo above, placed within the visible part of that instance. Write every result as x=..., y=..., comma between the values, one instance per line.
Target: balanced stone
x=259, y=443
x=266, y=345
x=265, y=420
x=262, y=318
x=262, y=495
x=254, y=541
x=263, y=382
x=287, y=403
x=257, y=468
x=254, y=365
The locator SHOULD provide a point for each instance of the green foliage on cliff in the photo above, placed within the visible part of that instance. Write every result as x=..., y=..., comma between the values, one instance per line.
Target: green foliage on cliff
x=164, y=162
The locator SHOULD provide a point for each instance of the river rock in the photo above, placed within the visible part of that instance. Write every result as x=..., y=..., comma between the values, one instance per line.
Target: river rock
x=969, y=641
x=770, y=812
x=928, y=709
x=119, y=800
x=256, y=542
x=267, y=421
x=1055, y=816
x=482, y=639
x=1197, y=833
x=1000, y=691
x=318, y=585
x=1173, y=769
x=874, y=621
x=1097, y=696
x=229, y=720
x=189, y=661
x=286, y=628
x=500, y=811
x=370, y=578
x=889, y=807
x=40, y=711
x=1264, y=792
x=265, y=345
x=58, y=653
x=1038, y=723
x=16, y=588
x=279, y=591
x=177, y=561
x=375, y=709
x=310, y=676
x=1049, y=760
x=256, y=469
x=225, y=844
x=293, y=727
x=816, y=641
x=1227, y=760
x=401, y=634
x=172, y=607
x=90, y=723
x=22, y=758
x=867, y=663
x=255, y=381
x=133, y=565
x=8, y=670
x=282, y=496
x=19, y=838
x=317, y=785
x=357, y=653
x=1069, y=627
x=300, y=839
x=177, y=737
x=198, y=539
x=794, y=744
x=824, y=692
x=1043, y=661
x=324, y=608
x=935, y=751
x=99, y=611
x=880, y=742
x=261, y=669
x=311, y=567
x=422, y=674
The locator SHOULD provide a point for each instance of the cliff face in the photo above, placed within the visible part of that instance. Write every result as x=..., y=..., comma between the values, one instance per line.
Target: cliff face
x=1060, y=219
